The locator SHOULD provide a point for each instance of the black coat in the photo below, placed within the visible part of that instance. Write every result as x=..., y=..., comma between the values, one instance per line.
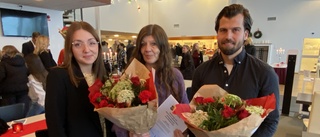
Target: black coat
x=13, y=76
x=68, y=109
x=187, y=66
x=47, y=60
x=27, y=48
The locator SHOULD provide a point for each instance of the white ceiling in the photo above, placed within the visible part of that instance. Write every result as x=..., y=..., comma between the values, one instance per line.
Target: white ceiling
x=59, y=4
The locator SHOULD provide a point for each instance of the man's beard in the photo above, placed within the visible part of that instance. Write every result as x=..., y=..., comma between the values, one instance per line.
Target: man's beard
x=229, y=51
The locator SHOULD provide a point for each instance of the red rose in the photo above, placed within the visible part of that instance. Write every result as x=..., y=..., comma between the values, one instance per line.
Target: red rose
x=103, y=103
x=227, y=112
x=145, y=95
x=243, y=114
x=135, y=81
x=96, y=86
x=96, y=97
x=198, y=100
x=208, y=100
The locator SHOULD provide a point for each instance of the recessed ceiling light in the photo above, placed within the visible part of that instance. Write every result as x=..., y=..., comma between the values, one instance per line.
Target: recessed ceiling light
x=134, y=36
x=116, y=35
x=109, y=39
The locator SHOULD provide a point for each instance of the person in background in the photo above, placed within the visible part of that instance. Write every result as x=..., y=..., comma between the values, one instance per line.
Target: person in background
x=13, y=78
x=104, y=46
x=68, y=109
x=196, y=55
x=43, y=52
x=129, y=49
x=121, y=57
x=237, y=72
x=187, y=66
x=37, y=84
x=178, y=49
x=249, y=47
x=28, y=47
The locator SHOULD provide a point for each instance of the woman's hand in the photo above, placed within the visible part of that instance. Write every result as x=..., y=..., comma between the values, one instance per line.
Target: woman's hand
x=178, y=133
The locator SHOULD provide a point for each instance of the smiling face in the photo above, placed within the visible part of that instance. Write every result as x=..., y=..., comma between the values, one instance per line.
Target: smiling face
x=149, y=50
x=231, y=34
x=85, y=48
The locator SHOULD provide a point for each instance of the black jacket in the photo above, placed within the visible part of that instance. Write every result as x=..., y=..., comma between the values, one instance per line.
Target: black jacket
x=187, y=66
x=69, y=112
x=13, y=76
x=27, y=48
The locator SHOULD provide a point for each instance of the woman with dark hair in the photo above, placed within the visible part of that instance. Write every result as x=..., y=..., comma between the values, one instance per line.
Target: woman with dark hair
x=36, y=84
x=13, y=78
x=68, y=109
x=153, y=50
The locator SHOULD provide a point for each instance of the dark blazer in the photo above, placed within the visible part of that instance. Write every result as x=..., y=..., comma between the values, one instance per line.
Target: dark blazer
x=187, y=66
x=27, y=48
x=68, y=109
x=47, y=60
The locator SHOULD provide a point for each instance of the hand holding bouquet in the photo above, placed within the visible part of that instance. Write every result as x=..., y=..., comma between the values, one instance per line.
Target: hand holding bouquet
x=214, y=112
x=129, y=101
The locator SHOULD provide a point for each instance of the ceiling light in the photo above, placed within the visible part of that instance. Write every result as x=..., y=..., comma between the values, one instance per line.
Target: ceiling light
x=109, y=39
x=134, y=36
x=116, y=35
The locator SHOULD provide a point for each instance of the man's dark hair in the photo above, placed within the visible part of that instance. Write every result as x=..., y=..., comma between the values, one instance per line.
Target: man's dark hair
x=35, y=34
x=233, y=10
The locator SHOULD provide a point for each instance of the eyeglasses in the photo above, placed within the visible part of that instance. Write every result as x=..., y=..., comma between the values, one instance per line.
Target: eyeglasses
x=90, y=43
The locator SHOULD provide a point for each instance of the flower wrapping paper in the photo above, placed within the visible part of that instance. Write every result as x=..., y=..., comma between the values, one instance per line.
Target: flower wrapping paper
x=138, y=119
x=244, y=128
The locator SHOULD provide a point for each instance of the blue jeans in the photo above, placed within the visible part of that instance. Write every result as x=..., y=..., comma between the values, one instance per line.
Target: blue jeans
x=35, y=109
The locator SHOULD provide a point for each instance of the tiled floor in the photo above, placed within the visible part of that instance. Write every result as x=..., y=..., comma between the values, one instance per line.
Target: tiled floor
x=297, y=84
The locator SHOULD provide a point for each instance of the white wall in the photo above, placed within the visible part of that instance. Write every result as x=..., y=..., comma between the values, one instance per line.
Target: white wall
x=56, y=22
x=295, y=19
x=195, y=17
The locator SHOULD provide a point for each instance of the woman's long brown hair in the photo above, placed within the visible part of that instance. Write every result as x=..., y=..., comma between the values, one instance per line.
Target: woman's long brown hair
x=163, y=65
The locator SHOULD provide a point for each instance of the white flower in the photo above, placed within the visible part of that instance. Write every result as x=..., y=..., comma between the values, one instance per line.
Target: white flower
x=125, y=96
x=197, y=117
x=121, y=85
x=255, y=109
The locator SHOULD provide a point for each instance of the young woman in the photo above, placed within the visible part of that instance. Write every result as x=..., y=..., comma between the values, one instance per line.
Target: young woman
x=153, y=51
x=37, y=84
x=68, y=109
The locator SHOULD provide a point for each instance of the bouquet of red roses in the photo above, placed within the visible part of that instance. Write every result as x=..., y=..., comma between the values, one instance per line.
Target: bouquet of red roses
x=213, y=113
x=129, y=101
